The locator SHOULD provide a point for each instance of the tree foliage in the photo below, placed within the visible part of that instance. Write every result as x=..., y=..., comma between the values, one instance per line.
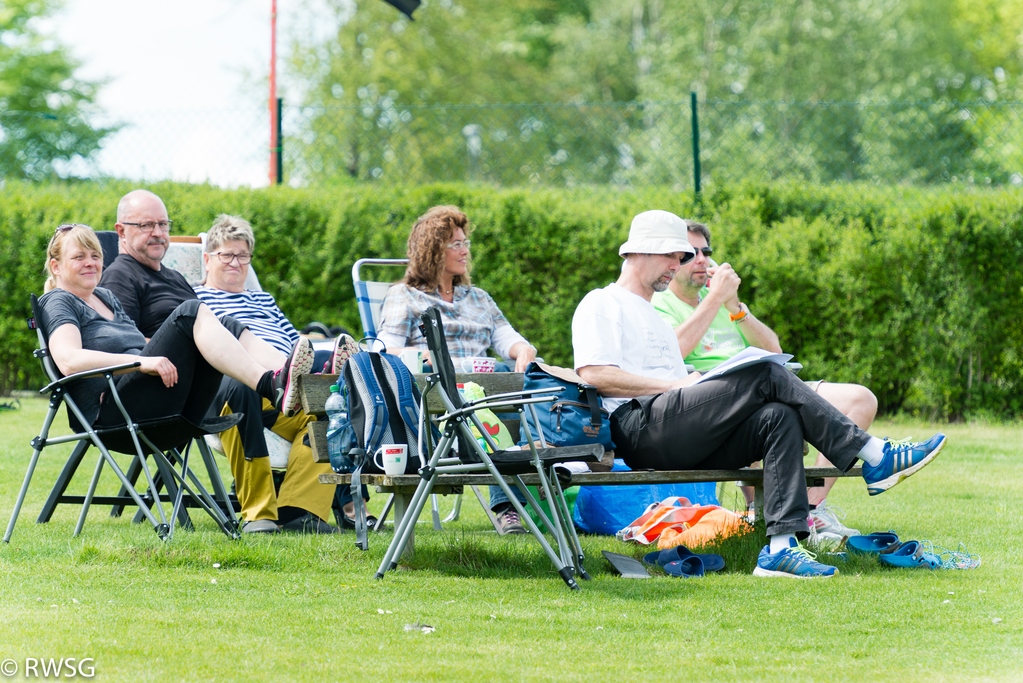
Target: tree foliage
x=44, y=108
x=858, y=56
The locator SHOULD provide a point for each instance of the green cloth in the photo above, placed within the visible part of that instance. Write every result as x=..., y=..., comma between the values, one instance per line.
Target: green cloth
x=722, y=340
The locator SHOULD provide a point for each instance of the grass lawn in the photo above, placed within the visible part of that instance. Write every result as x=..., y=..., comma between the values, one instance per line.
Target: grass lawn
x=308, y=609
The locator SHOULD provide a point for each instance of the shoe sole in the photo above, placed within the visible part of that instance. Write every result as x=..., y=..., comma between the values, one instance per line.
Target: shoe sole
x=767, y=573
x=301, y=363
x=833, y=535
x=895, y=479
x=345, y=348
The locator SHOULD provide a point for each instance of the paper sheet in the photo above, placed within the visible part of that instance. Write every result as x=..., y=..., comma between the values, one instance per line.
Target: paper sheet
x=748, y=356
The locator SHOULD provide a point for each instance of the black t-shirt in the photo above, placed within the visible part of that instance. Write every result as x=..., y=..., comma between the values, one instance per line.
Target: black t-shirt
x=147, y=296
x=58, y=307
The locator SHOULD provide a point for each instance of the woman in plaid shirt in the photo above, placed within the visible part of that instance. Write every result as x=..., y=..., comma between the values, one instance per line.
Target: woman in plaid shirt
x=438, y=275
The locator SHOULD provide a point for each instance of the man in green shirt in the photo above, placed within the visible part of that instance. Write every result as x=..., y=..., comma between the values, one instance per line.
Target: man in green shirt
x=711, y=324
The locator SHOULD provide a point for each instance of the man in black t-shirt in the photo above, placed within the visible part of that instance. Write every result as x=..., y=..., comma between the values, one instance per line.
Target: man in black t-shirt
x=149, y=292
x=147, y=295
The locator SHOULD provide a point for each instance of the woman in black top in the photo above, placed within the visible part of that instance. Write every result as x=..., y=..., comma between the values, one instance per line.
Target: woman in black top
x=181, y=366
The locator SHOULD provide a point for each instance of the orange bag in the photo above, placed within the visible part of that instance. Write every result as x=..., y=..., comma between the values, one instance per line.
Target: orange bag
x=675, y=521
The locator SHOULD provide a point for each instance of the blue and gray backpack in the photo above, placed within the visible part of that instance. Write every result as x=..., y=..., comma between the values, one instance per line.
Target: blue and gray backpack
x=383, y=404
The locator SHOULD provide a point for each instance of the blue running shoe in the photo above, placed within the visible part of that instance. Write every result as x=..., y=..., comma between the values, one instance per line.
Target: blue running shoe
x=795, y=562
x=900, y=460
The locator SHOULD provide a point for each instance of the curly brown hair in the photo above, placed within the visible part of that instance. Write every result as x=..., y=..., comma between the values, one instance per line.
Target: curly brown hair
x=427, y=247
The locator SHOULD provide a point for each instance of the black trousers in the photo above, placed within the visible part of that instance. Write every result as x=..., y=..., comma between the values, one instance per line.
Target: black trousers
x=145, y=396
x=762, y=412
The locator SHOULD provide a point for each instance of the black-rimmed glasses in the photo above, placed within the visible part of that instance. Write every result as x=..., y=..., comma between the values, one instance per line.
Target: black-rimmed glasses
x=152, y=225
x=226, y=257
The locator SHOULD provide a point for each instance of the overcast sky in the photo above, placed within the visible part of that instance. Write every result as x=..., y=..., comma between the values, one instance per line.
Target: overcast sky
x=189, y=76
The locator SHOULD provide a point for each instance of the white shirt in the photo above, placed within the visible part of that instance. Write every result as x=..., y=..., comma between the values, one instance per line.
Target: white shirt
x=613, y=326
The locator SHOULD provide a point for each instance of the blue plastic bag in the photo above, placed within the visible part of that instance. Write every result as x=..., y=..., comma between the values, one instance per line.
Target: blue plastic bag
x=607, y=509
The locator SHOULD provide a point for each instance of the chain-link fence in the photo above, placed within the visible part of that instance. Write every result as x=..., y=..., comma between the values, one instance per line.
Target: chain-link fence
x=937, y=147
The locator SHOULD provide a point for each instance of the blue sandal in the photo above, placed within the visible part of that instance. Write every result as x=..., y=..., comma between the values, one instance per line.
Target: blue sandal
x=687, y=568
x=711, y=562
x=872, y=543
x=909, y=554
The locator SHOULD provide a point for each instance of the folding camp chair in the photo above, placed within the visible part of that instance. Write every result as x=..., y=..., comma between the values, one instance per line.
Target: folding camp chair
x=139, y=438
x=472, y=457
x=369, y=295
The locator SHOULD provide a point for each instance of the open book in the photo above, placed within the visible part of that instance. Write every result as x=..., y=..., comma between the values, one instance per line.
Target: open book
x=748, y=356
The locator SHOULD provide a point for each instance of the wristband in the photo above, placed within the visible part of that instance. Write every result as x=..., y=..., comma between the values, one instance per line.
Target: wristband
x=741, y=315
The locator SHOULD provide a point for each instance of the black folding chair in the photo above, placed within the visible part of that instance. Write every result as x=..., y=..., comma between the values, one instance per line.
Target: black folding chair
x=163, y=438
x=472, y=457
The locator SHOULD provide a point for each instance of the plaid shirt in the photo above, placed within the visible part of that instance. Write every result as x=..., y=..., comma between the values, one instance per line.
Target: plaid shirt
x=472, y=322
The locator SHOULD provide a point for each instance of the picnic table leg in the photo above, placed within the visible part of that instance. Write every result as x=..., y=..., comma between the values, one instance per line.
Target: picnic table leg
x=401, y=499
x=758, y=495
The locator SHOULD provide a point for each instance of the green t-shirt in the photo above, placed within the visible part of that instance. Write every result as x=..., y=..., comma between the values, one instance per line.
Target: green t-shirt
x=722, y=340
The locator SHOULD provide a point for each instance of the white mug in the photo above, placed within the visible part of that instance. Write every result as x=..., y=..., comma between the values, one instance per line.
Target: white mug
x=394, y=456
x=477, y=364
x=413, y=359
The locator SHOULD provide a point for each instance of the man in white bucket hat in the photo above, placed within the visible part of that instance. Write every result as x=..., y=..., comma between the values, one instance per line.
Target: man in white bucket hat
x=663, y=419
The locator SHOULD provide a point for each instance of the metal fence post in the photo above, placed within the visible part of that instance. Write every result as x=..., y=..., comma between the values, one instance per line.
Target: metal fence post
x=696, y=145
x=280, y=141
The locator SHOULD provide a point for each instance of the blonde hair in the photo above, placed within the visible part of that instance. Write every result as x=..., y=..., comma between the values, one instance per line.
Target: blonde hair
x=427, y=247
x=82, y=235
x=227, y=228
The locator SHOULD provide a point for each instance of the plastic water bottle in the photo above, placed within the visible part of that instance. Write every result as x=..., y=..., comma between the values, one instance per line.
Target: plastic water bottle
x=339, y=430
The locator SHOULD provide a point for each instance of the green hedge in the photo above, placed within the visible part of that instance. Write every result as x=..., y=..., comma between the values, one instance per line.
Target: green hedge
x=923, y=306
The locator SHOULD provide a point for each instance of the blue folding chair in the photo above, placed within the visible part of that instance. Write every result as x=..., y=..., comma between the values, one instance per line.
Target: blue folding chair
x=369, y=294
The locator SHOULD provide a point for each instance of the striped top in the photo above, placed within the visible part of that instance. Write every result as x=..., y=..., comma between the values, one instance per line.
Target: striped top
x=257, y=310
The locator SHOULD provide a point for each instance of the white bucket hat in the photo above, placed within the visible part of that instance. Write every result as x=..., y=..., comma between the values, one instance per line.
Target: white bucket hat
x=657, y=232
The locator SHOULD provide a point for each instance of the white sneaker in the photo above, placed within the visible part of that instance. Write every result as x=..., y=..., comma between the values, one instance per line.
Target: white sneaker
x=825, y=523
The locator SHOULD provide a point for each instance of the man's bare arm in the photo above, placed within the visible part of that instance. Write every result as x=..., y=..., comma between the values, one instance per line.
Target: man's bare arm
x=758, y=334
x=611, y=380
x=722, y=290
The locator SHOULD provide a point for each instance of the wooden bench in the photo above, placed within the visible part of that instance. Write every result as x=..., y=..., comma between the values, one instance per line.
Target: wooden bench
x=314, y=390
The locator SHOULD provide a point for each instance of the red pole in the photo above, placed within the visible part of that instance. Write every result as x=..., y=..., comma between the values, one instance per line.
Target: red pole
x=274, y=142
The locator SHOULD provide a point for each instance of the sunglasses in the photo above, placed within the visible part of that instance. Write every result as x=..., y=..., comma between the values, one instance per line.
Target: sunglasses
x=64, y=227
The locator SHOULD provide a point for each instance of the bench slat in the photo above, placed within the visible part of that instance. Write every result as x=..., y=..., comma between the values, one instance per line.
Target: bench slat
x=752, y=475
x=314, y=389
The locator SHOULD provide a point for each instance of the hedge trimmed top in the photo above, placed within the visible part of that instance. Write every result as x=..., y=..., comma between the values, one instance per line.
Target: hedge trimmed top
x=921, y=306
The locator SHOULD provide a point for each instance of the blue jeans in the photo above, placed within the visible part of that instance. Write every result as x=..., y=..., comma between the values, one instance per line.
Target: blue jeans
x=497, y=496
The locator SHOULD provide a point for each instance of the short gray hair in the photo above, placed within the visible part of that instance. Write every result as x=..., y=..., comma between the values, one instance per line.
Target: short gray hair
x=700, y=229
x=227, y=228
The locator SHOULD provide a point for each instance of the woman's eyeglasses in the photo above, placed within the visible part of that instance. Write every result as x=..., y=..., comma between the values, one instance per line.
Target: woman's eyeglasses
x=458, y=244
x=226, y=257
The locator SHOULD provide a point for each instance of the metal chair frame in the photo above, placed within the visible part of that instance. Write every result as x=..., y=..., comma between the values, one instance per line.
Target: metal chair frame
x=369, y=314
x=177, y=482
x=458, y=419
